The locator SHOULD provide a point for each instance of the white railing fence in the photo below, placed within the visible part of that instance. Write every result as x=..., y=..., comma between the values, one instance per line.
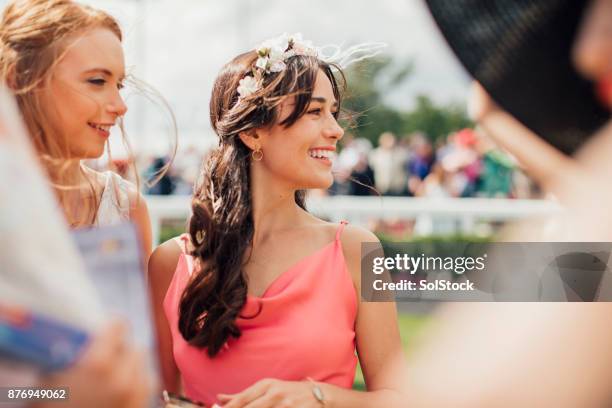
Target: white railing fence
x=464, y=212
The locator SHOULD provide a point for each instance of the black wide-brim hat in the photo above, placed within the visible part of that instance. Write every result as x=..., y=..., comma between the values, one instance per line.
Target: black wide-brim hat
x=520, y=51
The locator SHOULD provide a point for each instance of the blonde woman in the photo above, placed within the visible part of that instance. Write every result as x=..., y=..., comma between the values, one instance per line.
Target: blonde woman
x=64, y=62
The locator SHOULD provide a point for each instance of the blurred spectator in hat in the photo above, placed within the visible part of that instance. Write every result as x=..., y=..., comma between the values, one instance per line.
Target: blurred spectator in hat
x=536, y=349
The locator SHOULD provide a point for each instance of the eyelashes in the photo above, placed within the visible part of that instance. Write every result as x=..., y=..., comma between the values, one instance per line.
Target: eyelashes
x=317, y=111
x=101, y=82
x=97, y=81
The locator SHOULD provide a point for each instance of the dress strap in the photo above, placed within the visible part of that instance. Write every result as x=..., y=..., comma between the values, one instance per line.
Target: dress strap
x=183, y=242
x=340, y=229
x=114, y=205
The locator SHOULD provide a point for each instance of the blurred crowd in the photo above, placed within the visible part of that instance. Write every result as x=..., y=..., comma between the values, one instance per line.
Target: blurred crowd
x=464, y=164
x=160, y=174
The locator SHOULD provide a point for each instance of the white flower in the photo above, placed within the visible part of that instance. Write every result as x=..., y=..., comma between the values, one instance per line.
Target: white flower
x=303, y=47
x=277, y=53
x=277, y=45
x=247, y=86
x=262, y=63
x=278, y=66
x=273, y=53
x=274, y=50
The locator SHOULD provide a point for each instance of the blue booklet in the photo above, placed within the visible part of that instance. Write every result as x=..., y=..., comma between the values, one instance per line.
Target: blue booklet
x=41, y=341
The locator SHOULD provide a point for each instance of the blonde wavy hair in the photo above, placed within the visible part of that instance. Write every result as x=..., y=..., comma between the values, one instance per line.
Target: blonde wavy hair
x=34, y=36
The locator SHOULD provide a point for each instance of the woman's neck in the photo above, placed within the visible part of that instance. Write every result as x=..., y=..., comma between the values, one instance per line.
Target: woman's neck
x=77, y=189
x=274, y=206
x=66, y=170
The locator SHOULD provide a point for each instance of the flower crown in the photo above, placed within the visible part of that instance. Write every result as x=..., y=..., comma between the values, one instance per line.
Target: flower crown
x=273, y=54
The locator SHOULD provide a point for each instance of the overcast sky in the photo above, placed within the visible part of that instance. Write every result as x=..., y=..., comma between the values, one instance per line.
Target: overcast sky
x=178, y=46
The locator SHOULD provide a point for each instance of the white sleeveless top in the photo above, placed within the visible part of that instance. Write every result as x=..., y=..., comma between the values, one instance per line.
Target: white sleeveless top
x=114, y=205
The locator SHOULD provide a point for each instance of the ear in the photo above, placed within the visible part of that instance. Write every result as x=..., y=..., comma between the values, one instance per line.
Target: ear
x=251, y=138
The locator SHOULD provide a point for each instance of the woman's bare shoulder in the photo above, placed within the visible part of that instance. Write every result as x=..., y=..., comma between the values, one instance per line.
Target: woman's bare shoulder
x=352, y=238
x=354, y=235
x=163, y=261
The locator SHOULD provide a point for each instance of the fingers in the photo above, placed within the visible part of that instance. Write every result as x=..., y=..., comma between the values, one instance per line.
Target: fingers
x=104, y=347
x=266, y=401
x=270, y=393
x=245, y=397
x=480, y=103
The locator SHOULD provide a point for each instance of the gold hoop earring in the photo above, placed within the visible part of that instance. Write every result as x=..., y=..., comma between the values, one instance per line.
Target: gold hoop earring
x=257, y=155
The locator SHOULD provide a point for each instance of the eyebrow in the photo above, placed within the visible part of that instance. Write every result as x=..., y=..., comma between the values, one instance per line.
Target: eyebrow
x=323, y=100
x=104, y=71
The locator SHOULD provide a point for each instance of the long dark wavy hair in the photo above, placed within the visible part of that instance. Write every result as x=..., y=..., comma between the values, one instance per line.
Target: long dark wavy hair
x=221, y=227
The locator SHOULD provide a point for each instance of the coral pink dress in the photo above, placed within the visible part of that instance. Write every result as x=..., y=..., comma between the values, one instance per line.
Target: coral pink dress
x=304, y=326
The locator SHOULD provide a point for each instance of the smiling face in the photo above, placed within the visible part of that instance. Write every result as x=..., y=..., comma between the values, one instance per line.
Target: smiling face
x=301, y=155
x=81, y=98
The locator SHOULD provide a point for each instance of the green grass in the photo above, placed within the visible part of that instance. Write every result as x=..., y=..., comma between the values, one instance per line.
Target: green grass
x=171, y=230
x=410, y=327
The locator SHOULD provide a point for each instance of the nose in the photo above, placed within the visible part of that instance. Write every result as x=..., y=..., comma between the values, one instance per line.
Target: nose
x=117, y=106
x=333, y=129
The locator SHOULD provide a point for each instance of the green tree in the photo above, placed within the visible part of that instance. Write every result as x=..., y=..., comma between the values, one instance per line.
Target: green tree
x=370, y=80
x=435, y=121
